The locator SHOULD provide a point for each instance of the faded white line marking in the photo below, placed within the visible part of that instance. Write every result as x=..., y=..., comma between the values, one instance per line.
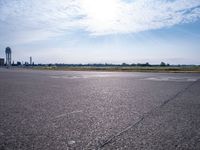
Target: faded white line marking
x=81, y=76
x=71, y=142
x=66, y=114
x=175, y=79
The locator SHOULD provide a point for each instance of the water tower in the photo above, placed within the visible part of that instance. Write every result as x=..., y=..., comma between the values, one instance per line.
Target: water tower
x=8, y=56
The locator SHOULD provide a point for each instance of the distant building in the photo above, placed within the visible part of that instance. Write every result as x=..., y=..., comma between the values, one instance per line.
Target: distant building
x=31, y=61
x=1, y=62
x=8, y=56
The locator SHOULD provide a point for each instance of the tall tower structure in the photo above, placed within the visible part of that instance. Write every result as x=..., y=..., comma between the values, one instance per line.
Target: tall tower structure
x=8, y=56
x=31, y=61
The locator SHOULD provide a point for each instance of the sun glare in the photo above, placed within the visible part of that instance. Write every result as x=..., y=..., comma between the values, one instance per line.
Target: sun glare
x=101, y=10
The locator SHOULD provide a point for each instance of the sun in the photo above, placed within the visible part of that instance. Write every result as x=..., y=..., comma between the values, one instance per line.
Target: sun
x=101, y=11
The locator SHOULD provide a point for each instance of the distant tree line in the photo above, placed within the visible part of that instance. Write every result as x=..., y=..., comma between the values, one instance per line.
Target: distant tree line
x=147, y=64
x=162, y=64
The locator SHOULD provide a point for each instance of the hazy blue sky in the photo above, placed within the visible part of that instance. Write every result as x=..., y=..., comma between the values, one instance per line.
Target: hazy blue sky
x=99, y=31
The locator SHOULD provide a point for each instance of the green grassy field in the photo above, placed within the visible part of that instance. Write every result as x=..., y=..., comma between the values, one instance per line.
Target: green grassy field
x=187, y=69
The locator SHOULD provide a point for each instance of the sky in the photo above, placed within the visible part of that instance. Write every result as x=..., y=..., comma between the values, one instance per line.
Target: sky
x=101, y=31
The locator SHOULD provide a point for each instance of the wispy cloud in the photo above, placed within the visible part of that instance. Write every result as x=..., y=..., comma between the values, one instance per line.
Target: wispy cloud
x=138, y=15
x=40, y=19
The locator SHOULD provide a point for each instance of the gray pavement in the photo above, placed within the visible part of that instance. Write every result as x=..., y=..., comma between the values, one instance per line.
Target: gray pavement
x=60, y=110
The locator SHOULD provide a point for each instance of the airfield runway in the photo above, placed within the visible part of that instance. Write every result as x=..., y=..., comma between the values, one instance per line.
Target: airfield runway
x=58, y=110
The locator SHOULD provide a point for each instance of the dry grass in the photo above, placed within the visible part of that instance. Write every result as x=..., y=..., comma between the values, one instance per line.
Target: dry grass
x=187, y=69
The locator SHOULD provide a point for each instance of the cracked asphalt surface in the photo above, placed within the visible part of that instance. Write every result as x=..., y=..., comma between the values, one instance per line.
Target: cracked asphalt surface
x=66, y=110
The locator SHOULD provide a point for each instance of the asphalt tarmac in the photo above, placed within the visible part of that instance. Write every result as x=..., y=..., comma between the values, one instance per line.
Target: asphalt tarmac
x=66, y=110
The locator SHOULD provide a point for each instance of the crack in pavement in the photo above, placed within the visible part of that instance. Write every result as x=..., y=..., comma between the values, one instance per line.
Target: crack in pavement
x=112, y=138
